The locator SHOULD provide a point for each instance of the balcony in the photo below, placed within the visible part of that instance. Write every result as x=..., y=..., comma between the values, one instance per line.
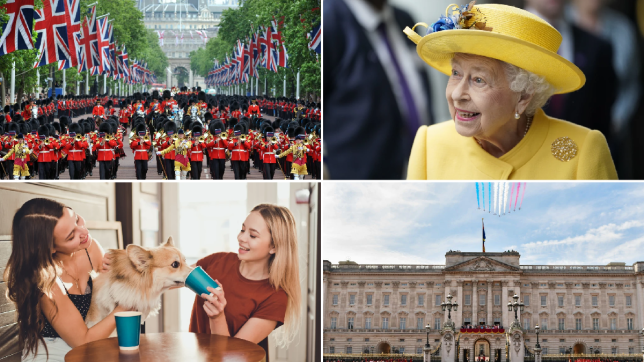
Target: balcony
x=617, y=269
x=385, y=268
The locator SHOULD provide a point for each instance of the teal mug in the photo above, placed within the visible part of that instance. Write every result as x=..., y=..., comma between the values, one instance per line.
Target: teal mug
x=128, y=330
x=198, y=280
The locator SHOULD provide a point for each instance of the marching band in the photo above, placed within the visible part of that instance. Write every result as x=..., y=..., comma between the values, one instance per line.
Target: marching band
x=181, y=129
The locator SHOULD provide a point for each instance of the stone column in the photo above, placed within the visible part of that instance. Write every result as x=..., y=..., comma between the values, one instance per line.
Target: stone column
x=448, y=346
x=475, y=302
x=517, y=351
x=427, y=357
x=537, y=354
x=490, y=302
x=377, y=303
x=552, y=305
x=326, y=300
x=360, y=302
x=504, y=304
x=460, y=300
x=586, y=302
x=343, y=302
x=639, y=299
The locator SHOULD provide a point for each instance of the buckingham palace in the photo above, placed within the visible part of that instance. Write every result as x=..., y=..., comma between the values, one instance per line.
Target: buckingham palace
x=580, y=309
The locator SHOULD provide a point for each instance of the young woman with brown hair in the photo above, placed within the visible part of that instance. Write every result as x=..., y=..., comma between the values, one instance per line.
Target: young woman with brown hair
x=48, y=278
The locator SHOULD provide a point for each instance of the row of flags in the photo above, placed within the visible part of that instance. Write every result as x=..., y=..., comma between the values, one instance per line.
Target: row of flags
x=202, y=34
x=63, y=39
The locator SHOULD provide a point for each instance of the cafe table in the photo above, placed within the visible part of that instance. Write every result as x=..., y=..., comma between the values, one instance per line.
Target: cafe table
x=181, y=347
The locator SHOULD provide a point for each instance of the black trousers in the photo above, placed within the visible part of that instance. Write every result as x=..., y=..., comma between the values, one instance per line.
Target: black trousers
x=141, y=167
x=105, y=168
x=239, y=168
x=75, y=169
x=287, y=170
x=195, y=169
x=309, y=166
x=159, y=165
x=268, y=171
x=53, y=170
x=44, y=169
x=169, y=168
x=217, y=168
x=318, y=169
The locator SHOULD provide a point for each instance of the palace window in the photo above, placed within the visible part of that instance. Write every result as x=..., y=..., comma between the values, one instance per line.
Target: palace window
x=594, y=299
x=578, y=324
x=629, y=324
x=560, y=300
x=331, y=349
x=544, y=324
x=631, y=350
x=526, y=300
x=369, y=299
x=403, y=299
x=468, y=299
x=613, y=350
x=562, y=350
x=562, y=324
x=437, y=324
x=370, y=284
x=420, y=323
x=421, y=284
x=613, y=324
x=386, y=301
x=385, y=323
x=367, y=323
x=543, y=300
x=350, y=323
x=578, y=300
x=467, y=321
x=419, y=350
x=335, y=299
x=438, y=300
x=353, y=284
x=402, y=349
x=421, y=300
x=334, y=322
x=403, y=284
x=596, y=324
x=366, y=339
x=497, y=299
x=526, y=323
x=403, y=323
x=352, y=299
x=628, y=300
x=349, y=350
x=482, y=299
x=611, y=300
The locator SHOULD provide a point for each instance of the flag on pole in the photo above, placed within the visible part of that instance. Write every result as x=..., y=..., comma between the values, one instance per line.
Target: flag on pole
x=482, y=223
x=160, y=34
x=16, y=32
x=51, y=27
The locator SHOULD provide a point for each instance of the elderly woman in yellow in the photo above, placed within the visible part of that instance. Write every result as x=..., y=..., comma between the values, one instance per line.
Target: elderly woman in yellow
x=503, y=67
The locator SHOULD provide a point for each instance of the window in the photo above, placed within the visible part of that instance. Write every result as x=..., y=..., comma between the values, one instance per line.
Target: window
x=367, y=323
x=543, y=300
x=526, y=323
x=562, y=350
x=438, y=300
x=578, y=324
x=403, y=299
x=350, y=323
x=403, y=323
x=402, y=349
x=403, y=284
x=613, y=324
x=562, y=324
x=482, y=321
x=369, y=299
x=420, y=323
x=631, y=350
x=349, y=350
x=613, y=350
x=366, y=339
x=611, y=300
x=468, y=299
x=352, y=299
x=545, y=350
x=481, y=299
x=560, y=300
x=578, y=300
x=596, y=324
x=419, y=350
x=335, y=299
x=385, y=323
x=331, y=349
x=526, y=300
x=467, y=321
x=334, y=321
x=544, y=324
x=421, y=300
x=497, y=299
x=370, y=284
x=437, y=324
x=628, y=300
x=386, y=301
x=595, y=301
x=629, y=324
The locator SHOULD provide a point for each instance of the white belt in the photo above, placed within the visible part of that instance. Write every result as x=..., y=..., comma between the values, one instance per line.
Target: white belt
x=140, y=150
x=106, y=149
x=75, y=151
x=218, y=148
x=44, y=151
x=268, y=153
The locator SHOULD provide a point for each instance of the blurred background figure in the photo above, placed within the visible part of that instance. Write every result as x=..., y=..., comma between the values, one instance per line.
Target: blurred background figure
x=376, y=90
x=595, y=17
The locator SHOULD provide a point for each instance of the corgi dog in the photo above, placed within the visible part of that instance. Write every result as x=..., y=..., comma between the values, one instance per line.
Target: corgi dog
x=136, y=279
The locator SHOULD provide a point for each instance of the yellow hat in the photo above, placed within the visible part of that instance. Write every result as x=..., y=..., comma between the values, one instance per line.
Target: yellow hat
x=501, y=32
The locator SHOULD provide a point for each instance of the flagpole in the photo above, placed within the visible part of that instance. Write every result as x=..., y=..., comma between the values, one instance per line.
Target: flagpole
x=483, y=226
x=13, y=83
x=297, y=94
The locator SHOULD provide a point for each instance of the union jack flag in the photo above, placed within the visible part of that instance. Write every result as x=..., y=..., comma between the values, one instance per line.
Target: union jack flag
x=87, y=41
x=315, y=43
x=281, y=56
x=51, y=27
x=103, y=45
x=72, y=18
x=125, y=60
x=160, y=33
x=16, y=32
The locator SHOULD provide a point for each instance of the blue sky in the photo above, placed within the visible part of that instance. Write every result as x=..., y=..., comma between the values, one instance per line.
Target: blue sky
x=417, y=223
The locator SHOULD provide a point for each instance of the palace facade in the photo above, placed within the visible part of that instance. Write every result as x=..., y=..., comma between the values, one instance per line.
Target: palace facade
x=579, y=308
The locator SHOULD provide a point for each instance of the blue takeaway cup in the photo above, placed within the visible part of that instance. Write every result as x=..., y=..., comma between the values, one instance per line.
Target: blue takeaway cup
x=198, y=280
x=128, y=330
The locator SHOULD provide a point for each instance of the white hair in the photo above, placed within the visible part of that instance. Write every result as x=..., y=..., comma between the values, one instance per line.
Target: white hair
x=524, y=82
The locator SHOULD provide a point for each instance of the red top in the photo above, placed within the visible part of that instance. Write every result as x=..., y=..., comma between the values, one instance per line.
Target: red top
x=98, y=111
x=245, y=298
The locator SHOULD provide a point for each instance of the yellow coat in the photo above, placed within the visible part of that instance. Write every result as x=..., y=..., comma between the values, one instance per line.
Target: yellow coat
x=440, y=153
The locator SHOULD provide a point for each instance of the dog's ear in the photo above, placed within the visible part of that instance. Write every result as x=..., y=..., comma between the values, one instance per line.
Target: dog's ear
x=169, y=243
x=140, y=258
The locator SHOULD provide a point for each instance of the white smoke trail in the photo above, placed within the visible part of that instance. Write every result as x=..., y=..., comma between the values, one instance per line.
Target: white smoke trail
x=496, y=198
x=505, y=196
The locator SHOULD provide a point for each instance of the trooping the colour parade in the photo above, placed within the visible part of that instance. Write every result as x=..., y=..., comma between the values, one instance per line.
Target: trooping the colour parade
x=179, y=133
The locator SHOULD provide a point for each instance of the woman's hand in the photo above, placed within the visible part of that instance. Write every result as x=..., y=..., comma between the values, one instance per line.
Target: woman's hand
x=214, y=305
x=106, y=262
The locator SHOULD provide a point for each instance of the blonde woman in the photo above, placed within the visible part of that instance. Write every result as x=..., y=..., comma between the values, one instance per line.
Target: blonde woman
x=260, y=286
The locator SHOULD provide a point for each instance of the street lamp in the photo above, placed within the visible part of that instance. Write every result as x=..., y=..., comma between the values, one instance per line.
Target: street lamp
x=537, y=329
x=449, y=305
x=515, y=306
x=427, y=328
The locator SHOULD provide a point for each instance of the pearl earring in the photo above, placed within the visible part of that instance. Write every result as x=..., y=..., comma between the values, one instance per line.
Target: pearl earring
x=517, y=115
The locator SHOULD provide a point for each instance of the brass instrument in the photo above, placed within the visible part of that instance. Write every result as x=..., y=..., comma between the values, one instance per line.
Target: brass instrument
x=175, y=137
x=78, y=138
x=131, y=134
x=146, y=138
x=242, y=138
x=46, y=141
x=201, y=138
x=306, y=142
x=224, y=135
x=274, y=140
